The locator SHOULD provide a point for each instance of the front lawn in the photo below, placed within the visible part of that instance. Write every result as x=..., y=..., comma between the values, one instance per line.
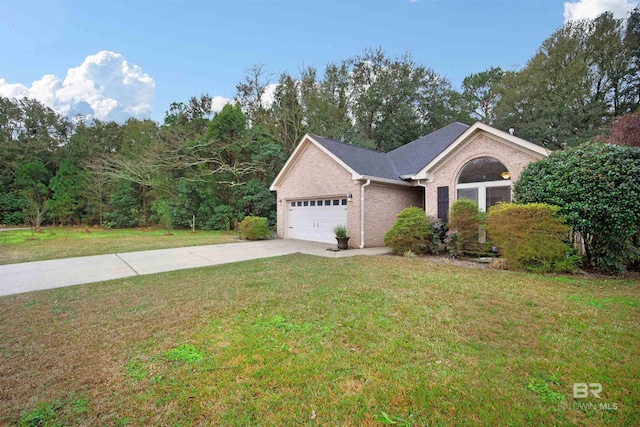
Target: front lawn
x=302, y=340
x=65, y=242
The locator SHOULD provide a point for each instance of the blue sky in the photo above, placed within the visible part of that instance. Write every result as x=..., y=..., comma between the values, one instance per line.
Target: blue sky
x=162, y=51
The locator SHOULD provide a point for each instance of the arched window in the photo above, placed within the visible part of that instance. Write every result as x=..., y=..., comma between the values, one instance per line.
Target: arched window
x=486, y=181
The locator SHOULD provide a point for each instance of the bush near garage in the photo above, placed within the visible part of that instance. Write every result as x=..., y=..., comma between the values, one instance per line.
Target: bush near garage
x=255, y=228
x=531, y=237
x=413, y=232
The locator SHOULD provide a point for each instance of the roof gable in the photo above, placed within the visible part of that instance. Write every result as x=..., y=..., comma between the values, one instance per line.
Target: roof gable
x=364, y=161
x=476, y=128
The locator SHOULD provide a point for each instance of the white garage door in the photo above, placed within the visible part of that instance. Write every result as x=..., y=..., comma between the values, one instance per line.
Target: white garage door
x=314, y=219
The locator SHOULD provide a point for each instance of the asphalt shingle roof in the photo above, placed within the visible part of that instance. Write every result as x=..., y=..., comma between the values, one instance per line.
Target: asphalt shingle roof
x=406, y=160
x=362, y=160
x=412, y=157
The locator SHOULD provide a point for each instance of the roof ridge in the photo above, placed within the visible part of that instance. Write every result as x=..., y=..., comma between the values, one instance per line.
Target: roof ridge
x=347, y=144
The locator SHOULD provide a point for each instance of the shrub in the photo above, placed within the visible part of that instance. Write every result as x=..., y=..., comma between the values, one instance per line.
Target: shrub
x=465, y=220
x=340, y=230
x=163, y=214
x=255, y=228
x=531, y=237
x=413, y=231
x=223, y=218
x=597, y=187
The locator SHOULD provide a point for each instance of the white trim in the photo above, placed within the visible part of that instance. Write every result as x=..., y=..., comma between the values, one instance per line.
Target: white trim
x=386, y=181
x=478, y=128
x=362, y=212
x=504, y=183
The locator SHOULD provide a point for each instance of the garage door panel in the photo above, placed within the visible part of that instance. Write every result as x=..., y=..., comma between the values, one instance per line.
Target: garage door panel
x=315, y=223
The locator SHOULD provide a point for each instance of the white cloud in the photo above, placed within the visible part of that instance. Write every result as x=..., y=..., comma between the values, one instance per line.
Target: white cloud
x=589, y=9
x=269, y=95
x=105, y=86
x=218, y=102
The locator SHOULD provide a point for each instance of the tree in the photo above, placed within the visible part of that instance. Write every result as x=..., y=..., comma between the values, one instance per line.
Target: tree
x=326, y=102
x=550, y=102
x=95, y=190
x=481, y=92
x=625, y=130
x=30, y=131
x=632, y=50
x=608, y=61
x=394, y=101
x=597, y=188
x=124, y=207
x=580, y=77
x=190, y=118
x=66, y=201
x=251, y=94
x=32, y=180
x=288, y=115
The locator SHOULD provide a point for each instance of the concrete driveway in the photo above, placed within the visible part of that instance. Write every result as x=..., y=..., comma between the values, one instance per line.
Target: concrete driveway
x=33, y=276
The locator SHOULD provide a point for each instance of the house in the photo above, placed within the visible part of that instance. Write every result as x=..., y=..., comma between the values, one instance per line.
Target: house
x=325, y=182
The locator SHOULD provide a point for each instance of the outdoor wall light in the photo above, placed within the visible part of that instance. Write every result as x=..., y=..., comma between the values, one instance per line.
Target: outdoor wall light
x=349, y=197
x=280, y=201
x=505, y=175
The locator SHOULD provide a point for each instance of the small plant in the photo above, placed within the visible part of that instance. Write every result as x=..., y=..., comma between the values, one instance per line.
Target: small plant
x=185, y=353
x=340, y=230
x=539, y=384
x=41, y=415
x=135, y=370
x=255, y=228
x=162, y=211
x=386, y=419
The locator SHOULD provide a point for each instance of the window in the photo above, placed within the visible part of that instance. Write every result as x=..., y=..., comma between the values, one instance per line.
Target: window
x=496, y=195
x=312, y=203
x=486, y=181
x=343, y=202
x=299, y=203
x=293, y=204
x=319, y=202
x=468, y=193
x=336, y=202
x=305, y=203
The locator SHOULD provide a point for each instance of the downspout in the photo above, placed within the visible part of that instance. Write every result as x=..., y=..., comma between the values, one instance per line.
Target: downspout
x=362, y=212
x=425, y=195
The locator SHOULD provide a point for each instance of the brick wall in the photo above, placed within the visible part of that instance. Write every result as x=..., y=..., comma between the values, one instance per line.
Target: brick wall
x=382, y=205
x=482, y=145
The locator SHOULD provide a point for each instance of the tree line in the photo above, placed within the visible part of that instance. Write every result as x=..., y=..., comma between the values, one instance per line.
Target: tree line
x=215, y=168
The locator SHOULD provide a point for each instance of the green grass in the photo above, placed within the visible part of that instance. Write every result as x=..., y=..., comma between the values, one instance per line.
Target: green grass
x=301, y=340
x=58, y=242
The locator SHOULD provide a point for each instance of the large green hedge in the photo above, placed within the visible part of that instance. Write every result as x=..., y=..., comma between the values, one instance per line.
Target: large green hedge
x=597, y=189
